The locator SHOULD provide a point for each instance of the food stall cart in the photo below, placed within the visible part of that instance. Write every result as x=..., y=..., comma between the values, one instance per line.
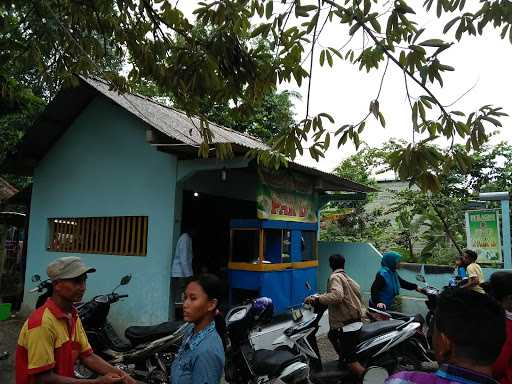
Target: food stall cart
x=275, y=255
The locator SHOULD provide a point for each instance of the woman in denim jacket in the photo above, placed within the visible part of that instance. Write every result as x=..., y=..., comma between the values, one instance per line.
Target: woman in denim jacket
x=200, y=359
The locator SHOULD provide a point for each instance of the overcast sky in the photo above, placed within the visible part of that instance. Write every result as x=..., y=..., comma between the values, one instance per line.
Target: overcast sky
x=345, y=92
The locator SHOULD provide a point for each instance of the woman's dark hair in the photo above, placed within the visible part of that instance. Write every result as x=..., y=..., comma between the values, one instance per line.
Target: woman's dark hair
x=472, y=254
x=473, y=322
x=500, y=285
x=336, y=261
x=213, y=288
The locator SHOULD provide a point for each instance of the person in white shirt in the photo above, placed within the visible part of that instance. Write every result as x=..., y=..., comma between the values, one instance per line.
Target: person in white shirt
x=182, y=264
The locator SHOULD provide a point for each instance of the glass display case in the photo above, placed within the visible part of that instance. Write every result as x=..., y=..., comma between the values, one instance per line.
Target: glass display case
x=273, y=258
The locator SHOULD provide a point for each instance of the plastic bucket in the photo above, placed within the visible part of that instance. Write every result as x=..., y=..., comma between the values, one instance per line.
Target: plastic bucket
x=5, y=311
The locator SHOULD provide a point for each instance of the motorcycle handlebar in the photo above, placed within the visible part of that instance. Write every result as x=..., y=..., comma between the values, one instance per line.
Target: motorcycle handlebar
x=121, y=296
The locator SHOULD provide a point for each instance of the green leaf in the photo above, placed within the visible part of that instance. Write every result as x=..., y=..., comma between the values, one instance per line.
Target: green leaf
x=354, y=29
x=491, y=120
x=504, y=31
x=367, y=7
x=450, y=24
x=375, y=24
x=433, y=43
x=361, y=127
x=327, y=141
x=327, y=116
x=329, y=58
x=382, y=120
x=261, y=30
x=336, y=52
x=269, y=8
x=322, y=57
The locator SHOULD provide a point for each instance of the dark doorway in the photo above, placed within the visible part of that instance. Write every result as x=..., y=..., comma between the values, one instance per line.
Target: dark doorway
x=210, y=216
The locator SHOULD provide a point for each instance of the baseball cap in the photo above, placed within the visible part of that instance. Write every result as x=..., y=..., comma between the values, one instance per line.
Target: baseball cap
x=67, y=268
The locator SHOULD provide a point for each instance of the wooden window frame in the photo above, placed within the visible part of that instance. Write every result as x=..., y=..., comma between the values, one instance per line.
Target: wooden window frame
x=106, y=235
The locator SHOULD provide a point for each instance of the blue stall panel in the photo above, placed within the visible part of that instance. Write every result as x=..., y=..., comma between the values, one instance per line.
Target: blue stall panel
x=277, y=286
x=244, y=279
x=299, y=278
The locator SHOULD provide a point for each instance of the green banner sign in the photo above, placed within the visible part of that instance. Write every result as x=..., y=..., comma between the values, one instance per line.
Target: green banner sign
x=483, y=235
x=283, y=197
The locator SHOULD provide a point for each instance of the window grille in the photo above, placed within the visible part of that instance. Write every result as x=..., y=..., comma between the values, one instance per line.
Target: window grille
x=120, y=235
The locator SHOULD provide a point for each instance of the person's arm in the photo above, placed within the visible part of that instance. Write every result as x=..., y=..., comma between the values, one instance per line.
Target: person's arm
x=186, y=256
x=50, y=377
x=335, y=294
x=98, y=365
x=407, y=285
x=472, y=282
x=93, y=361
x=472, y=277
x=378, y=285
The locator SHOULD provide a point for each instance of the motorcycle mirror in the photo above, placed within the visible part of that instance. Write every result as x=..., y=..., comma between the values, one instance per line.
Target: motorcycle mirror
x=36, y=278
x=125, y=279
x=420, y=278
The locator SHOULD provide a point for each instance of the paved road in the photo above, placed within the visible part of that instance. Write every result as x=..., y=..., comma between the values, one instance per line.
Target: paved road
x=9, y=330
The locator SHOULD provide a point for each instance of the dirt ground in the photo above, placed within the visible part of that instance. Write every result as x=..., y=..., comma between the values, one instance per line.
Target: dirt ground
x=9, y=330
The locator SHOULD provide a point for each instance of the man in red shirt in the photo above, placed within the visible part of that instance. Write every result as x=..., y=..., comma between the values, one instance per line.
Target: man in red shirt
x=52, y=338
x=500, y=285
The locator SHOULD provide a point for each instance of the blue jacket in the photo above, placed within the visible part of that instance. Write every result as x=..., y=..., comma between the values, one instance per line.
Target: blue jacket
x=391, y=290
x=200, y=359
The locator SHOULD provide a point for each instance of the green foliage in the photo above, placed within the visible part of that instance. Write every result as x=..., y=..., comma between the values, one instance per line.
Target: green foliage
x=422, y=226
x=45, y=42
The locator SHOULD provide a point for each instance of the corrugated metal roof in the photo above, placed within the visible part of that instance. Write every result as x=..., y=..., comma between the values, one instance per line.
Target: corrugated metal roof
x=181, y=127
x=6, y=190
x=171, y=122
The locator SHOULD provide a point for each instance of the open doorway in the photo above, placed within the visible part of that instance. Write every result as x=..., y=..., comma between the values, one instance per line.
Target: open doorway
x=210, y=216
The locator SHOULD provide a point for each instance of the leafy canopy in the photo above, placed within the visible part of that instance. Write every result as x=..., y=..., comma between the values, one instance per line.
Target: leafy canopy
x=49, y=40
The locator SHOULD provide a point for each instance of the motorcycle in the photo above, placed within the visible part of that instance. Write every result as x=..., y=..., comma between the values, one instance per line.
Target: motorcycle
x=385, y=347
x=146, y=354
x=247, y=364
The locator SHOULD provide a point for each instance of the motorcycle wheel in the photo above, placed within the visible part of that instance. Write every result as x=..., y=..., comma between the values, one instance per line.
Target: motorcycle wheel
x=375, y=375
x=82, y=372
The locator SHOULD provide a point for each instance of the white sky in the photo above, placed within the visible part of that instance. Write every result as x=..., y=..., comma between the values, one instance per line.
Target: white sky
x=345, y=93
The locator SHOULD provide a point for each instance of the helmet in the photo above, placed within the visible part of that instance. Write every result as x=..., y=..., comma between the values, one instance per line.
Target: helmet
x=263, y=309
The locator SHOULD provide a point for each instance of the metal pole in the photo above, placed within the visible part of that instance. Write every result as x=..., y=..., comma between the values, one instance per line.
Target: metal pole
x=505, y=228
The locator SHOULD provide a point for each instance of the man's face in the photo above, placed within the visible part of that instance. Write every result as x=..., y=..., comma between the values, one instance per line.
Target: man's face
x=71, y=289
x=466, y=259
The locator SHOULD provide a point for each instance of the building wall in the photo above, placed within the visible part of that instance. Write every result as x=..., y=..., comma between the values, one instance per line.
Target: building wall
x=102, y=166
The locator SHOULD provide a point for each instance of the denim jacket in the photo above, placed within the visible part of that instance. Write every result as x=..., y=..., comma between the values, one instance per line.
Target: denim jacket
x=200, y=359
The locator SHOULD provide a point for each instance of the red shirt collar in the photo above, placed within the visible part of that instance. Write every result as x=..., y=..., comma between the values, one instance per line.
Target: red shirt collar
x=57, y=311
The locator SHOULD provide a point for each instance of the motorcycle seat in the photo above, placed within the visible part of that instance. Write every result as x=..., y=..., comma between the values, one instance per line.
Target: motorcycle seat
x=378, y=328
x=272, y=362
x=142, y=334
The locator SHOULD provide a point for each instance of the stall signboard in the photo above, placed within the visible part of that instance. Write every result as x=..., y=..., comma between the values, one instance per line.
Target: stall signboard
x=281, y=196
x=483, y=235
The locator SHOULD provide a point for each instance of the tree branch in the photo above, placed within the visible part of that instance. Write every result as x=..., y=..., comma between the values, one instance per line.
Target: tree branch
x=393, y=59
x=446, y=227
x=311, y=63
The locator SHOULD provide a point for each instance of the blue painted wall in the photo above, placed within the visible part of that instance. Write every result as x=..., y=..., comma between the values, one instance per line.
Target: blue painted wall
x=102, y=166
x=363, y=262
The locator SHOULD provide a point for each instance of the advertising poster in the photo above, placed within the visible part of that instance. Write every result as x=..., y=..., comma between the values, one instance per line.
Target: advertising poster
x=483, y=234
